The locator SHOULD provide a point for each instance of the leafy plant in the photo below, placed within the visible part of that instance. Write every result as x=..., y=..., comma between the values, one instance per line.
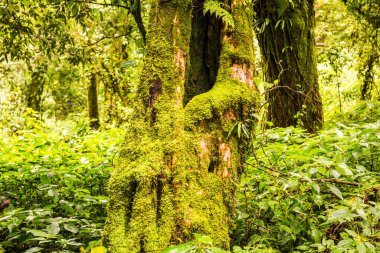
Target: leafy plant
x=56, y=181
x=204, y=244
x=312, y=193
x=218, y=9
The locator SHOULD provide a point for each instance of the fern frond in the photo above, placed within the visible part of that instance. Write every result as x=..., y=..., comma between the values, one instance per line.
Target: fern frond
x=216, y=7
x=282, y=6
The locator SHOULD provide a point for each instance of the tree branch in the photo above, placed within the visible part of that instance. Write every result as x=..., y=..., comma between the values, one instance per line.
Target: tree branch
x=105, y=37
x=333, y=180
x=324, y=180
x=103, y=4
x=136, y=12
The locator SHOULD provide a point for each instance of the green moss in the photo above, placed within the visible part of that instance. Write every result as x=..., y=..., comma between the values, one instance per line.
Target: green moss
x=229, y=94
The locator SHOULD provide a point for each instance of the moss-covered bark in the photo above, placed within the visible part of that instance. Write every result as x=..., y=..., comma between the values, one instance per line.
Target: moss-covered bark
x=177, y=169
x=286, y=39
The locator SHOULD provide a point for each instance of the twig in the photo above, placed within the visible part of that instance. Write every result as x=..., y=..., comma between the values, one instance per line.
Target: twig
x=283, y=86
x=105, y=37
x=333, y=180
x=324, y=180
x=103, y=4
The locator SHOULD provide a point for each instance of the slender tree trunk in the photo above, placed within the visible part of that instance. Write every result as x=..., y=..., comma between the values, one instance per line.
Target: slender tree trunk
x=35, y=89
x=178, y=170
x=286, y=39
x=92, y=102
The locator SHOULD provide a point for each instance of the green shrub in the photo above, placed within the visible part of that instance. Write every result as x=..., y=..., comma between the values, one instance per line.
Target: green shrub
x=312, y=193
x=56, y=181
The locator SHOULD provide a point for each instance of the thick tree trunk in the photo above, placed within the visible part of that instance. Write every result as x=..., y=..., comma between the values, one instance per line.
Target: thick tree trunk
x=178, y=170
x=286, y=39
x=92, y=102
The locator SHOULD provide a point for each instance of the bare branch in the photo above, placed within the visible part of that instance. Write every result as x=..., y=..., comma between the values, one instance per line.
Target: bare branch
x=105, y=37
x=103, y=4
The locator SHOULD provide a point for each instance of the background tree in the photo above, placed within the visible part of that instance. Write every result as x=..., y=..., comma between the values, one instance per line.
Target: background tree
x=345, y=43
x=369, y=12
x=285, y=31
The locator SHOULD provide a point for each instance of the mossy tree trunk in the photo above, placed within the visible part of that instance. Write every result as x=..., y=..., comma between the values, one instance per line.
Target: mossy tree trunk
x=286, y=38
x=92, y=101
x=177, y=170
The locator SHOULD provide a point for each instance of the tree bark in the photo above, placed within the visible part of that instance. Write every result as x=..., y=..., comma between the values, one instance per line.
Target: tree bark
x=205, y=46
x=35, y=89
x=286, y=39
x=92, y=102
x=178, y=170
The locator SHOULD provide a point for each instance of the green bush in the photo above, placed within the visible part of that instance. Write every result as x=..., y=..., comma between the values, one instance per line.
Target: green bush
x=56, y=181
x=312, y=193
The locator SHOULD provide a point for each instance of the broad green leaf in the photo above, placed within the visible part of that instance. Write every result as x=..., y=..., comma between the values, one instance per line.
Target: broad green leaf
x=203, y=239
x=303, y=247
x=33, y=250
x=345, y=244
x=324, y=161
x=38, y=233
x=45, y=179
x=340, y=214
x=370, y=246
x=286, y=229
x=315, y=187
x=335, y=173
x=53, y=228
x=70, y=227
x=217, y=250
x=316, y=234
x=69, y=182
x=339, y=133
x=343, y=169
x=335, y=190
x=99, y=249
x=361, y=213
x=179, y=248
x=361, y=247
x=352, y=233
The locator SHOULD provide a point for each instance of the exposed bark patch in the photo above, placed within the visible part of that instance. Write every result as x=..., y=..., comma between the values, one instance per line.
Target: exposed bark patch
x=180, y=63
x=243, y=73
x=174, y=161
x=159, y=190
x=133, y=189
x=142, y=245
x=225, y=151
x=154, y=92
x=179, y=95
x=187, y=222
x=204, y=148
x=211, y=167
x=230, y=115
